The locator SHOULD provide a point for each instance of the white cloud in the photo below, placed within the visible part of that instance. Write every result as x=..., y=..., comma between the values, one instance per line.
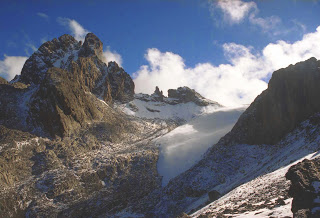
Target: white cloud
x=11, y=66
x=236, y=83
x=112, y=56
x=235, y=10
x=43, y=15
x=76, y=29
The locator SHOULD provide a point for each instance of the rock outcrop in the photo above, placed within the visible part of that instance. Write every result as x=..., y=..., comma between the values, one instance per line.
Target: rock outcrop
x=292, y=96
x=305, y=188
x=185, y=95
x=120, y=83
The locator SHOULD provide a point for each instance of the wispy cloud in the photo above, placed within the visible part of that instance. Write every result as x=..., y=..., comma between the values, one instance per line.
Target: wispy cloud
x=236, y=83
x=11, y=66
x=76, y=29
x=236, y=11
x=43, y=15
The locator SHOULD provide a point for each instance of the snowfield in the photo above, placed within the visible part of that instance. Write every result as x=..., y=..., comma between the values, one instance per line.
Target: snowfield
x=184, y=146
x=161, y=110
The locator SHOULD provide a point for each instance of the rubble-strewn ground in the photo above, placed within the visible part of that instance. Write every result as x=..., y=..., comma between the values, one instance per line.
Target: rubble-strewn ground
x=41, y=177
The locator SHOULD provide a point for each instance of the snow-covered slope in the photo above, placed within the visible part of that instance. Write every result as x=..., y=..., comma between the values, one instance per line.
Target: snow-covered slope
x=184, y=146
x=161, y=110
x=263, y=196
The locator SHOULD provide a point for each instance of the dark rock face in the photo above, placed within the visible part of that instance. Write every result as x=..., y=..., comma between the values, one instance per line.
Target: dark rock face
x=305, y=188
x=61, y=106
x=213, y=195
x=120, y=83
x=292, y=96
x=185, y=95
x=92, y=46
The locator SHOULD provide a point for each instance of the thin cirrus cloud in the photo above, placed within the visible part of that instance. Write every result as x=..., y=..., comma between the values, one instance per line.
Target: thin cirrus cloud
x=43, y=15
x=233, y=84
x=11, y=66
x=79, y=32
x=236, y=11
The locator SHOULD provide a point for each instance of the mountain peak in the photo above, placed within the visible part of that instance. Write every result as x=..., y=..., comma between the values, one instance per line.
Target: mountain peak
x=92, y=46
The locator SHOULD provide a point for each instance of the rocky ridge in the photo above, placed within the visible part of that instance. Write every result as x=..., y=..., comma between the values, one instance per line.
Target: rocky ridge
x=177, y=96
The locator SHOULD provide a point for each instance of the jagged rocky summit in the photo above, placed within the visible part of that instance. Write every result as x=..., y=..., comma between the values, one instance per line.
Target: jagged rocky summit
x=59, y=79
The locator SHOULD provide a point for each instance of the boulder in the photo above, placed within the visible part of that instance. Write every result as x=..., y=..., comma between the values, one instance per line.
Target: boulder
x=305, y=187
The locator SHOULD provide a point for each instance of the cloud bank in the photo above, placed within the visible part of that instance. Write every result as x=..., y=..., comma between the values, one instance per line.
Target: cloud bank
x=233, y=84
x=11, y=66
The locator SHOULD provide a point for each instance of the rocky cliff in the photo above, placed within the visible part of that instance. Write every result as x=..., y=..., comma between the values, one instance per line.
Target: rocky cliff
x=292, y=96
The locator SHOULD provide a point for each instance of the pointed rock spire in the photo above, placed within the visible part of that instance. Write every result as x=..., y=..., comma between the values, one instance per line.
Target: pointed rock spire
x=91, y=46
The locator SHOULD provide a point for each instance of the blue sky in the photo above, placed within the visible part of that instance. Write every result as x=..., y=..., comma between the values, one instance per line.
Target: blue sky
x=178, y=34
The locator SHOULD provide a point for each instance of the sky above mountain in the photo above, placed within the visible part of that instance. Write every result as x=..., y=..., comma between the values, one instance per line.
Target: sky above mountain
x=226, y=50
